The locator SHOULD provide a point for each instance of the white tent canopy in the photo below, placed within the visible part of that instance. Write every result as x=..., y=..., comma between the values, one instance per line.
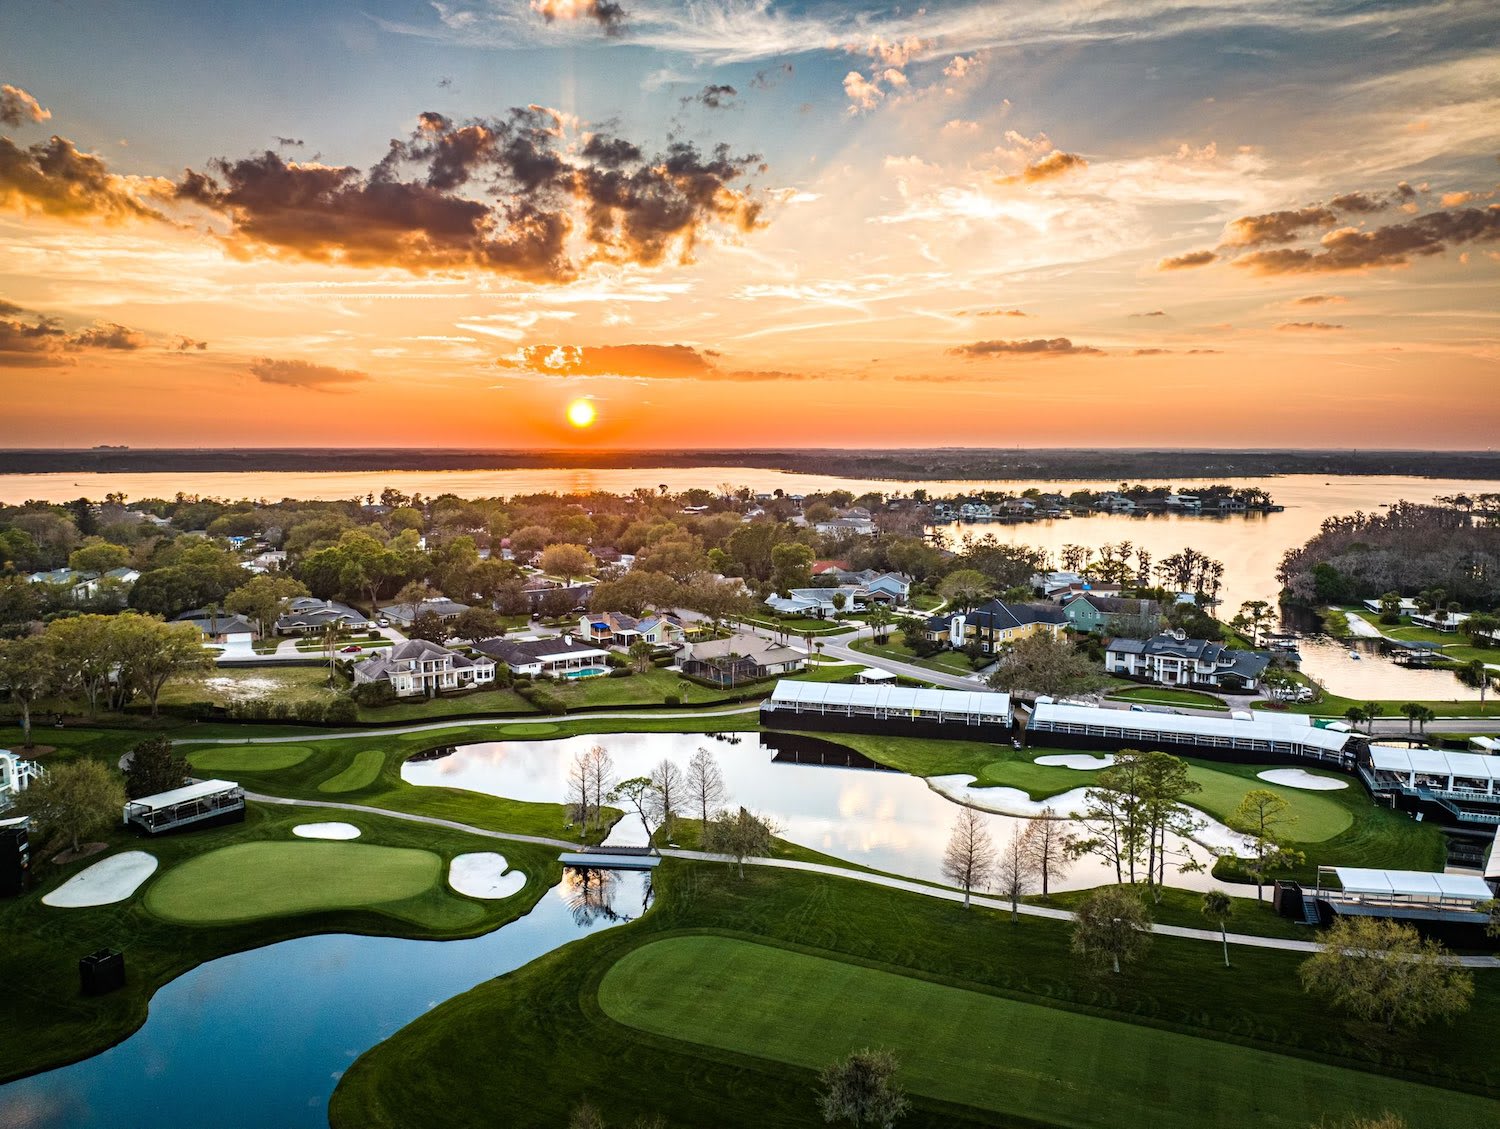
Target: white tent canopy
x=183, y=795
x=891, y=701
x=1434, y=762
x=1417, y=885
x=1258, y=732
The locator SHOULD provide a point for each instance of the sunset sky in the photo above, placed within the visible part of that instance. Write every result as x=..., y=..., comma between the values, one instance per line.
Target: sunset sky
x=738, y=222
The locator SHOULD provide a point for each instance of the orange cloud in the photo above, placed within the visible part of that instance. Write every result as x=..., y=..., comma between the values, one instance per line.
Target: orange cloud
x=302, y=374
x=1037, y=347
x=53, y=178
x=19, y=108
x=1189, y=261
x=1054, y=164
x=608, y=15
x=643, y=362
x=1307, y=326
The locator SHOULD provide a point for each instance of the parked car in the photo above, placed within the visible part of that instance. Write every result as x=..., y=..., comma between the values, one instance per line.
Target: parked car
x=351, y=649
x=382, y=622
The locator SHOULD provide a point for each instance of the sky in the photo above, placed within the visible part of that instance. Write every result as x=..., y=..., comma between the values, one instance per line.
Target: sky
x=731, y=223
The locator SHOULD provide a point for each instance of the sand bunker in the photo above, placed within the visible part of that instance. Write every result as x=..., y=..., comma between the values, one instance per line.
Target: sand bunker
x=483, y=875
x=326, y=831
x=108, y=881
x=1075, y=760
x=1300, y=778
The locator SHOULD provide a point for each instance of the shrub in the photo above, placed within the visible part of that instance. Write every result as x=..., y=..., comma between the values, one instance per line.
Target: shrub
x=372, y=634
x=621, y=672
x=374, y=694
x=673, y=699
x=342, y=711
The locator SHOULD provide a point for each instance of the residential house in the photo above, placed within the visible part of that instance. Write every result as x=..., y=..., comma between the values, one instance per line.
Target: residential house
x=996, y=625
x=1108, y=615
x=1172, y=659
x=1440, y=620
x=420, y=669
x=15, y=775
x=217, y=627
x=609, y=629
x=662, y=630
x=308, y=615
x=537, y=588
x=846, y=527
x=85, y=585
x=818, y=603
x=404, y=615
x=872, y=586
x=272, y=560
x=560, y=656
x=738, y=659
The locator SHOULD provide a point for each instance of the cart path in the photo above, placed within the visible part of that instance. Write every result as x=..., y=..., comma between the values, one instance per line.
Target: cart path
x=888, y=882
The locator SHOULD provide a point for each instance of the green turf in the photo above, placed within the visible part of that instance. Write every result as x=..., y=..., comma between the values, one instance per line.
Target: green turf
x=360, y=773
x=1167, y=696
x=254, y=880
x=953, y=662
x=249, y=758
x=986, y=1051
x=1318, y=817
x=560, y=1046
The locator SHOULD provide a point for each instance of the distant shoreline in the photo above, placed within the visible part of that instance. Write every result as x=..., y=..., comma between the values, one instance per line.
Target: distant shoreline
x=915, y=464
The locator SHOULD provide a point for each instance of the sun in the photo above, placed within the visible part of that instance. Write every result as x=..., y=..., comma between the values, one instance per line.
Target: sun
x=581, y=413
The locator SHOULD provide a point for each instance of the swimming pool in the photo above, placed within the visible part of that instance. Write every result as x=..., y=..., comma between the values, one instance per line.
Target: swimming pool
x=586, y=672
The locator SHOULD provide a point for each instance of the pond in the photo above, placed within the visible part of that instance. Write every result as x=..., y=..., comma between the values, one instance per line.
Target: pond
x=1373, y=676
x=259, y=1040
x=876, y=817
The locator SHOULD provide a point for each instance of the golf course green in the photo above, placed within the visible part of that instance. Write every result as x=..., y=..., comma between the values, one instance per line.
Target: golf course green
x=256, y=880
x=253, y=758
x=359, y=773
x=987, y=1051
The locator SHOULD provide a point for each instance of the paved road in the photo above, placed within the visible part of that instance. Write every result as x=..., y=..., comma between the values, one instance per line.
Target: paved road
x=436, y=726
x=887, y=882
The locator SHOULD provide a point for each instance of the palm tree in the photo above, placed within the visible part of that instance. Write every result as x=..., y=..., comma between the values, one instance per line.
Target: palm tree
x=1219, y=909
x=1412, y=711
x=1355, y=714
x=880, y=620
x=1372, y=711
x=1475, y=675
x=330, y=647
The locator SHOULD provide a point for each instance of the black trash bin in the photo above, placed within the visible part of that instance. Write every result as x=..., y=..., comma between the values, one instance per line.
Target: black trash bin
x=102, y=972
x=15, y=859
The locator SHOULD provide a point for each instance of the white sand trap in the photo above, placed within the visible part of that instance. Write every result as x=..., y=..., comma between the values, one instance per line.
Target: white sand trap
x=1075, y=760
x=483, y=875
x=1301, y=778
x=326, y=831
x=1006, y=801
x=108, y=881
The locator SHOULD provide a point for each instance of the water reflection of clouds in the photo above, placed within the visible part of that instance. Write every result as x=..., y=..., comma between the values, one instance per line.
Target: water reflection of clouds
x=885, y=820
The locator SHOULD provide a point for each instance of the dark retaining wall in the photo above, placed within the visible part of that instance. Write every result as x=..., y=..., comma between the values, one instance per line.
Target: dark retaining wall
x=885, y=727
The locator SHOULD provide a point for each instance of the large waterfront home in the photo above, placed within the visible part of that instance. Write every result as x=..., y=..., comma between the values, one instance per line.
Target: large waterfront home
x=620, y=630
x=560, y=656
x=738, y=659
x=996, y=624
x=1172, y=659
x=419, y=669
x=1111, y=615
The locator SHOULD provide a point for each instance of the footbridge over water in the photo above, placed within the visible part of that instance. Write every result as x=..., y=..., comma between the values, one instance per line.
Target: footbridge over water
x=611, y=858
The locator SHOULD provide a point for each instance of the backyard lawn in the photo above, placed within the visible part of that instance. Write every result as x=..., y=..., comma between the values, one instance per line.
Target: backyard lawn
x=1168, y=696
x=954, y=662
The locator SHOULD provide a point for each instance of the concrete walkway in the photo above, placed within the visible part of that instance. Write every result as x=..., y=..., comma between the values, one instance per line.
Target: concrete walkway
x=886, y=881
x=438, y=726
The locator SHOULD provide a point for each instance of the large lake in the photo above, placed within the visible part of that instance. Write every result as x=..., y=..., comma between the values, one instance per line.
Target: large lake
x=1250, y=545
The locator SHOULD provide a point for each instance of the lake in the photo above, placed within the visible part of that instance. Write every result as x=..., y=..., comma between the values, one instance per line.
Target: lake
x=878, y=818
x=259, y=1040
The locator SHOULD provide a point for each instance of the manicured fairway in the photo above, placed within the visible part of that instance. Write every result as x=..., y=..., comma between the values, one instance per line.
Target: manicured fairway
x=990, y=1052
x=252, y=758
x=255, y=880
x=360, y=773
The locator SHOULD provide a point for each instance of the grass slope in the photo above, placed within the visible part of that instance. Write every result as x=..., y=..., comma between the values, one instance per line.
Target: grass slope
x=561, y=1046
x=981, y=1050
x=254, y=880
x=360, y=773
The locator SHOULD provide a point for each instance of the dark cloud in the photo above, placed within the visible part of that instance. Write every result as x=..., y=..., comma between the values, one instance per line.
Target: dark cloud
x=1193, y=352
x=108, y=335
x=1279, y=227
x=302, y=374
x=418, y=208
x=1307, y=326
x=1151, y=314
x=1152, y=351
x=1037, y=347
x=18, y=108
x=1188, y=261
x=1358, y=202
x=1405, y=191
x=445, y=83
x=1054, y=164
x=771, y=76
x=187, y=344
x=1001, y=313
x=8, y=309
x=46, y=342
x=288, y=142
x=607, y=14
x=1319, y=299
x=1389, y=246
x=715, y=96
x=645, y=362
x=54, y=178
